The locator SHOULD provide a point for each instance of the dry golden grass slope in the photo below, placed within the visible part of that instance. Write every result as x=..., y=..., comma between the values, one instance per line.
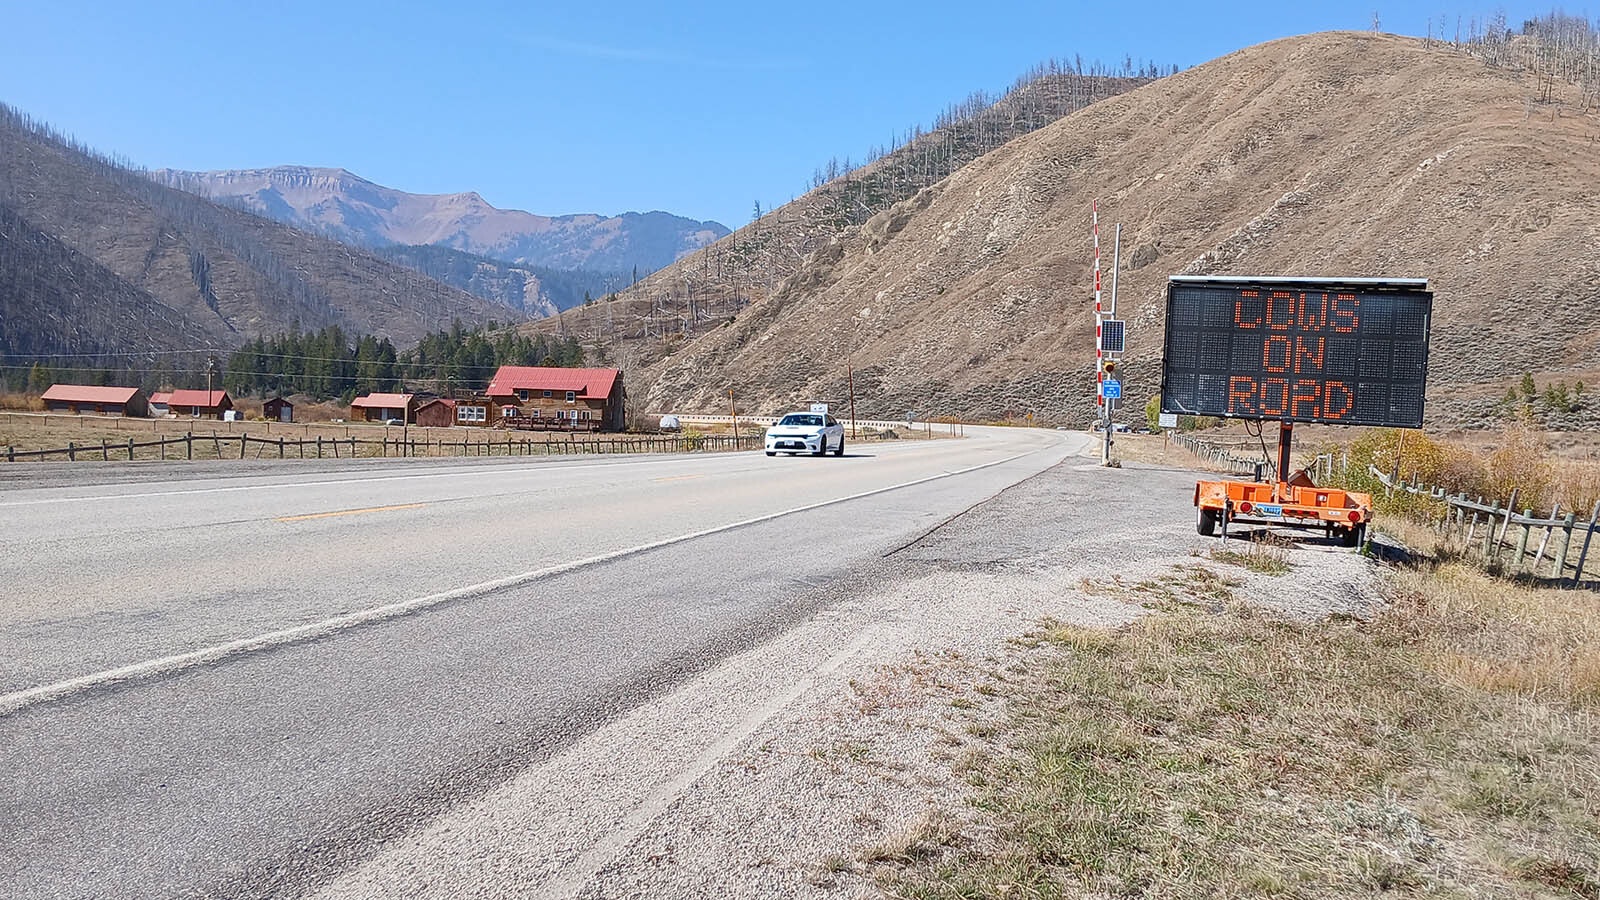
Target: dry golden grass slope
x=1348, y=154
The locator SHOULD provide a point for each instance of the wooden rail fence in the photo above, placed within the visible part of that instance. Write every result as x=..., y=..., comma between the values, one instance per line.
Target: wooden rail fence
x=1514, y=542
x=221, y=447
x=1226, y=457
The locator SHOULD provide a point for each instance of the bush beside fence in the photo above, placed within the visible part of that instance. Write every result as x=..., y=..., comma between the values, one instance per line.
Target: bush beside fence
x=1505, y=540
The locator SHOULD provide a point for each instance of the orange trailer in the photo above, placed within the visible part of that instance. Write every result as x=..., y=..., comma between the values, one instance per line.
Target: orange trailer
x=1335, y=351
x=1295, y=502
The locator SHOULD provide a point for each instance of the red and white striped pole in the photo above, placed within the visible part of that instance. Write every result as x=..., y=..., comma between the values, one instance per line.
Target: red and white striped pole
x=1099, y=350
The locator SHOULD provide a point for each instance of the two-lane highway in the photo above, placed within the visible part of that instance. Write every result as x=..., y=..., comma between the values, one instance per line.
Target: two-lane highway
x=239, y=686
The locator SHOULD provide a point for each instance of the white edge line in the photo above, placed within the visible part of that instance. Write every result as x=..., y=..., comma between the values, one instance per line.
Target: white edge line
x=282, y=485
x=570, y=880
x=13, y=702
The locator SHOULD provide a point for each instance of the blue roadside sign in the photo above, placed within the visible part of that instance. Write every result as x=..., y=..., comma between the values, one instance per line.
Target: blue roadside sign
x=1111, y=389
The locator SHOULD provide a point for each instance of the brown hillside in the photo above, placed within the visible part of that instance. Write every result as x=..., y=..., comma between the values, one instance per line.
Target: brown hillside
x=700, y=292
x=1333, y=154
x=229, y=275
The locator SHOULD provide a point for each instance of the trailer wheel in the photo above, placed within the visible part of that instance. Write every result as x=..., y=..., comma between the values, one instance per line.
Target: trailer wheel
x=1208, y=522
x=1353, y=537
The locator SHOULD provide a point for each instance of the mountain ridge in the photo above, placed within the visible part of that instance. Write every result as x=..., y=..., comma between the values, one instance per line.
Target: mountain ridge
x=344, y=205
x=225, y=274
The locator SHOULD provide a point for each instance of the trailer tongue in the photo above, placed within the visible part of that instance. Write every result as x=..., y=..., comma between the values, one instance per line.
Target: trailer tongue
x=1350, y=351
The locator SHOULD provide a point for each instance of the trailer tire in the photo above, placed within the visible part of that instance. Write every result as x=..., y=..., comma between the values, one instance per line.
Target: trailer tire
x=1354, y=536
x=1208, y=522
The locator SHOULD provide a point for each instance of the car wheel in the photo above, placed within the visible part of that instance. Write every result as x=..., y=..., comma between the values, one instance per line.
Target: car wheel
x=839, y=450
x=772, y=453
x=822, y=445
x=1208, y=522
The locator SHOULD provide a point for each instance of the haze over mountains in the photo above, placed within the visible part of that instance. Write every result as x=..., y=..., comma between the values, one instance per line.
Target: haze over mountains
x=352, y=209
x=1339, y=154
x=96, y=258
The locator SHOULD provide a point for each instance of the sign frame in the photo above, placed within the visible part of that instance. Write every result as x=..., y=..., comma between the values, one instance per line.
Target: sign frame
x=1293, y=349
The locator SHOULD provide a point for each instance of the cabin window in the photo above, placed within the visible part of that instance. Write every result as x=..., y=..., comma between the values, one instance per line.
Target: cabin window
x=571, y=396
x=547, y=393
x=522, y=395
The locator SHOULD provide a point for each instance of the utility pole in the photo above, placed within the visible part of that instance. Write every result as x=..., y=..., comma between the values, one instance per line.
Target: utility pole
x=733, y=409
x=850, y=375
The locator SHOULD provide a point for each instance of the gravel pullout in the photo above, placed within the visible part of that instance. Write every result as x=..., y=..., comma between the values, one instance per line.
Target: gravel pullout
x=788, y=770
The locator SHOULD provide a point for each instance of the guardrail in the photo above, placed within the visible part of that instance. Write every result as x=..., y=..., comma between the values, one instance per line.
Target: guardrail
x=768, y=420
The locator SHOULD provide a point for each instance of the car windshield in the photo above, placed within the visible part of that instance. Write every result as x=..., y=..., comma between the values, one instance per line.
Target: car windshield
x=801, y=419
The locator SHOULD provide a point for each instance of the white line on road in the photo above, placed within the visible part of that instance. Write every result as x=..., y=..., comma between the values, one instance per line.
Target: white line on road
x=498, y=471
x=10, y=703
x=576, y=876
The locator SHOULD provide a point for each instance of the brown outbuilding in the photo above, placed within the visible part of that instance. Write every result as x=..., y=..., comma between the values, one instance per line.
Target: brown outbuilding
x=401, y=408
x=85, y=399
x=436, y=413
x=200, y=404
x=277, y=410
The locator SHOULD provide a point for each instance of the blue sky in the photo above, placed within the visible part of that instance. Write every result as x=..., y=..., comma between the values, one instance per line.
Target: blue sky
x=700, y=109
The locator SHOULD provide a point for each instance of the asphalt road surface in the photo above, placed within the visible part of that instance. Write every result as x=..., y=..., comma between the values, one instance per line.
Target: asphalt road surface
x=230, y=681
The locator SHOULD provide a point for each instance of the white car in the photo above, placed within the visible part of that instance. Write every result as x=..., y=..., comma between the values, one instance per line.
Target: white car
x=804, y=432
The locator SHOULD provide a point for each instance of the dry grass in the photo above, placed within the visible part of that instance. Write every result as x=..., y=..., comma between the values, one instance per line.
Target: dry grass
x=1264, y=554
x=1449, y=748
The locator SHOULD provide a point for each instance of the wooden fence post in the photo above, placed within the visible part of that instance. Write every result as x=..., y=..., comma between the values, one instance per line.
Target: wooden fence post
x=1505, y=526
x=280, y=446
x=1561, y=548
x=1588, y=534
x=11, y=453
x=1522, y=539
x=1555, y=513
x=188, y=444
x=319, y=446
x=105, y=450
x=72, y=453
x=130, y=449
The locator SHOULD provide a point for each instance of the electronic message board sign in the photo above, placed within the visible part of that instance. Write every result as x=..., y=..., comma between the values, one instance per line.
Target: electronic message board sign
x=1350, y=351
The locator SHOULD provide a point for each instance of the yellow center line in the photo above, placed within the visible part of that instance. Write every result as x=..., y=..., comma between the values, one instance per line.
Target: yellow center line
x=675, y=478
x=350, y=512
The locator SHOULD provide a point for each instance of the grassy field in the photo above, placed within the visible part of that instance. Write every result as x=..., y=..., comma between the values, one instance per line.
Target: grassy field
x=1449, y=748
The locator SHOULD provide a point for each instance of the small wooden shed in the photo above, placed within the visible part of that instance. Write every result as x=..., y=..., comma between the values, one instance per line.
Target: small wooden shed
x=437, y=413
x=277, y=410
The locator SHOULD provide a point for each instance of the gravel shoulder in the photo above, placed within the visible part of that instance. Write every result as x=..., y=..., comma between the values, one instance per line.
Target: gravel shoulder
x=796, y=767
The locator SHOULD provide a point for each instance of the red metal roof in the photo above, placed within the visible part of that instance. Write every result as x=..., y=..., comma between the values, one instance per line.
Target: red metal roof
x=86, y=393
x=161, y=397
x=593, y=384
x=202, y=399
x=382, y=401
